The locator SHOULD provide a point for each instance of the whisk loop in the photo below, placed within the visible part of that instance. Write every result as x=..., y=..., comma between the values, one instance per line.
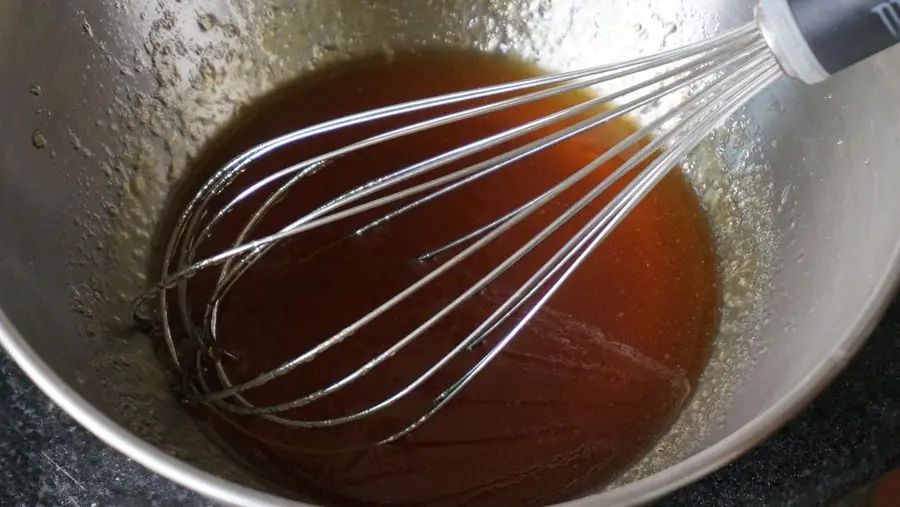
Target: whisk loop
x=720, y=75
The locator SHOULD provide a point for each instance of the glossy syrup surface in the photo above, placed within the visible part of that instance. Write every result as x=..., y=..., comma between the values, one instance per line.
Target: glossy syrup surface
x=576, y=398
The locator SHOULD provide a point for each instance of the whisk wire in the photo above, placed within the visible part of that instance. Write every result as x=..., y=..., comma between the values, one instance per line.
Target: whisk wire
x=739, y=61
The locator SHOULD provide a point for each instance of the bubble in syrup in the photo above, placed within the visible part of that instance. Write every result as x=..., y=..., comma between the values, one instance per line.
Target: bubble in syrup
x=38, y=140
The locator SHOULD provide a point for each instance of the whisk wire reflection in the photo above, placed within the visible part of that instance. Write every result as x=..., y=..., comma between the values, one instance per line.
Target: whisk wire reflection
x=728, y=69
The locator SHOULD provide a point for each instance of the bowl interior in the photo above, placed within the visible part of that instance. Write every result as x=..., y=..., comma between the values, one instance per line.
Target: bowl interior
x=110, y=100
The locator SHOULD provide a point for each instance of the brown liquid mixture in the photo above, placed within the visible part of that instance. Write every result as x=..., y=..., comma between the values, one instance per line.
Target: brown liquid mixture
x=583, y=391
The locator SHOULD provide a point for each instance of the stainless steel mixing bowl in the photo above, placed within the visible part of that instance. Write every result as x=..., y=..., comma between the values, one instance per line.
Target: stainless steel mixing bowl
x=104, y=103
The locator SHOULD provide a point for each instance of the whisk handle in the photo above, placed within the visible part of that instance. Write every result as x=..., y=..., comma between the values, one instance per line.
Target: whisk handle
x=814, y=39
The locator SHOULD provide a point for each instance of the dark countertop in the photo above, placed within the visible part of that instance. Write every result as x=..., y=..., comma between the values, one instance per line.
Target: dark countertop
x=847, y=437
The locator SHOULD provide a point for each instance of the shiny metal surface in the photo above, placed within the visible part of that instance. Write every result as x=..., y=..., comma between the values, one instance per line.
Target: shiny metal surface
x=104, y=103
x=736, y=65
x=783, y=35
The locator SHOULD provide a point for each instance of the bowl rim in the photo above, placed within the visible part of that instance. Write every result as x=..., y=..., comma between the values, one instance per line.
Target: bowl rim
x=639, y=492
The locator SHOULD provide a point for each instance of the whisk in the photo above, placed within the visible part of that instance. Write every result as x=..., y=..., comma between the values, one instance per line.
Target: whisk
x=706, y=82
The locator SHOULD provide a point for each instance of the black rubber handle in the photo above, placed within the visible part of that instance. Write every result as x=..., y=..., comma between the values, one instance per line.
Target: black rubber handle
x=843, y=32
